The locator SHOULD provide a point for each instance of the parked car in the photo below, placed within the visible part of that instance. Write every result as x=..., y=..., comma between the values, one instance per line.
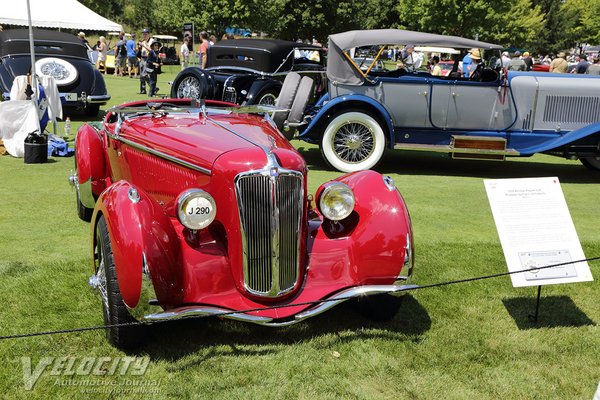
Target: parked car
x=57, y=54
x=249, y=71
x=490, y=117
x=202, y=211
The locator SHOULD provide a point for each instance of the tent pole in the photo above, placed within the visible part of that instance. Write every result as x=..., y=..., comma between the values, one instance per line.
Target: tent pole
x=34, y=84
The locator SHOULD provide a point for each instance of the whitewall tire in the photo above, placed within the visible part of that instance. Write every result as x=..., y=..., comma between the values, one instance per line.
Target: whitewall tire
x=353, y=141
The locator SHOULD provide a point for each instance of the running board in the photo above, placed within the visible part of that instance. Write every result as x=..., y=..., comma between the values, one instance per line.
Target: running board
x=467, y=147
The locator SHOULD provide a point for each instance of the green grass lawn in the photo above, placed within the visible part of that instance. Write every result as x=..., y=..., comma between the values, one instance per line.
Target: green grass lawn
x=466, y=341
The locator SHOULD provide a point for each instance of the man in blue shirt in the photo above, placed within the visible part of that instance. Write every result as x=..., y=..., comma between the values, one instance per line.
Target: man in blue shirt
x=466, y=64
x=132, y=60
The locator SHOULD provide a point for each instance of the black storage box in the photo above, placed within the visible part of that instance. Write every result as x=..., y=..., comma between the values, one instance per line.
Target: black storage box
x=36, y=149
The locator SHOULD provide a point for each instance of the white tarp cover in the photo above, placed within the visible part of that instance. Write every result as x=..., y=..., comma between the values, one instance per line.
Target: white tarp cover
x=62, y=14
x=18, y=118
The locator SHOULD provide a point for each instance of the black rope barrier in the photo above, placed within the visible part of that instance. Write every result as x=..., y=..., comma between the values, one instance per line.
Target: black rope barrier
x=305, y=303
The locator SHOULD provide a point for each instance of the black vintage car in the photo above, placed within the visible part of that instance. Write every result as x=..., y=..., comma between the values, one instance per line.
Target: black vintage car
x=57, y=54
x=249, y=71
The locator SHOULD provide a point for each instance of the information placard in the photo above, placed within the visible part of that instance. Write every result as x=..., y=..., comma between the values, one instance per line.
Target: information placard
x=536, y=230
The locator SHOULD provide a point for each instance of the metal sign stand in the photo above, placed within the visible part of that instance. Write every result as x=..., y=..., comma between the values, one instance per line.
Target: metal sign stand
x=534, y=317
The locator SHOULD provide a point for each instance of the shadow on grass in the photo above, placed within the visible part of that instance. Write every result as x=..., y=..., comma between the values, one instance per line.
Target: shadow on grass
x=176, y=339
x=555, y=312
x=423, y=163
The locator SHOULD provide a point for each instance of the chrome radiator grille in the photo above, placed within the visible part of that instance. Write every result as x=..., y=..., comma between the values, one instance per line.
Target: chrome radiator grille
x=271, y=209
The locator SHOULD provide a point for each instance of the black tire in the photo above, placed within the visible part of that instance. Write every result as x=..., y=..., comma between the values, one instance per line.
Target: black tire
x=92, y=110
x=84, y=213
x=592, y=163
x=190, y=86
x=379, y=307
x=353, y=141
x=286, y=98
x=114, y=310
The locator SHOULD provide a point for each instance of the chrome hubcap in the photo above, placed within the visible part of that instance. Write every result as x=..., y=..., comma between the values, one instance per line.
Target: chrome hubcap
x=189, y=88
x=354, y=142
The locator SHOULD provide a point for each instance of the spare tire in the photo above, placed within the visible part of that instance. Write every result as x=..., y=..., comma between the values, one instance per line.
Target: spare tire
x=286, y=98
x=303, y=94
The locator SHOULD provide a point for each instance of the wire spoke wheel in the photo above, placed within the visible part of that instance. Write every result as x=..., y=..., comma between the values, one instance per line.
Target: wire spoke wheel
x=100, y=258
x=354, y=142
x=189, y=87
x=268, y=99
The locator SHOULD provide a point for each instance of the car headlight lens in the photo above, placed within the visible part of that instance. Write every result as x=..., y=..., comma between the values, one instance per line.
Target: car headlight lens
x=196, y=209
x=336, y=201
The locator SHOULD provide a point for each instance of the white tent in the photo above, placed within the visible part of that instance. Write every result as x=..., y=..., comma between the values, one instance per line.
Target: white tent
x=62, y=14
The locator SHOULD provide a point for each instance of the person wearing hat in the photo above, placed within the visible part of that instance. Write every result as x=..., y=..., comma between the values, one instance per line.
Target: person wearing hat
x=153, y=64
x=475, y=67
x=85, y=42
x=505, y=60
x=466, y=61
x=559, y=65
x=516, y=63
x=145, y=46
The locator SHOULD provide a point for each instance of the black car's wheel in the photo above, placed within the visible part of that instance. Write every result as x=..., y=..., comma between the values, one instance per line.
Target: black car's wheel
x=592, y=163
x=84, y=213
x=189, y=87
x=267, y=98
x=114, y=310
x=379, y=307
x=91, y=110
x=353, y=141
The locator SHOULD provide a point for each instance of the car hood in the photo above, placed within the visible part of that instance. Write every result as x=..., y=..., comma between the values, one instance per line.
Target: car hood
x=201, y=140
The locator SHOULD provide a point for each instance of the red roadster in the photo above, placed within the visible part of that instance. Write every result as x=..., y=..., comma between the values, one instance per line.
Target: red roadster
x=200, y=210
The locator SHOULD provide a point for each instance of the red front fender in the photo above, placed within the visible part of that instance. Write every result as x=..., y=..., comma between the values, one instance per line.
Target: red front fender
x=139, y=227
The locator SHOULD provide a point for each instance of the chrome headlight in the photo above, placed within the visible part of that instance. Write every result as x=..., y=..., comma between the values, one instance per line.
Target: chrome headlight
x=336, y=201
x=196, y=209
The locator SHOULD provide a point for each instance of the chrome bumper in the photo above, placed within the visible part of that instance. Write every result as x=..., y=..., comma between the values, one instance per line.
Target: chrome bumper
x=97, y=99
x=195, y=311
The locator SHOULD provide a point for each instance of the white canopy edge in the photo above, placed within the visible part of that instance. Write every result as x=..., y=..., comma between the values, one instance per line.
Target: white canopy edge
x=62, y=14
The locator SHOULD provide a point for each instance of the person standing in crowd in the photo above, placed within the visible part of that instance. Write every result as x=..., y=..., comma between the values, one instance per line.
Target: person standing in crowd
x=185, y=52
x=203, y=49
x=145, y=47
x=212, y=40
x=559, y=65
x=153, y=65
x=466, y=62
x=407, y=59
x=120, y=55
x=436, y=70
x=85, y=42
x=102, y=50
x=473, y=70
x=505, y=61
x=132, y=60
x=227, y=36
x=582, y=65
x=516, y=63
x=528, y=61
x=594, y=69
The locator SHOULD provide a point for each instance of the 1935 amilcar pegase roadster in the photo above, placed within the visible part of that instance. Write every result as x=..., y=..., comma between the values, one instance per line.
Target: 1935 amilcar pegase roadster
x=201, y=210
